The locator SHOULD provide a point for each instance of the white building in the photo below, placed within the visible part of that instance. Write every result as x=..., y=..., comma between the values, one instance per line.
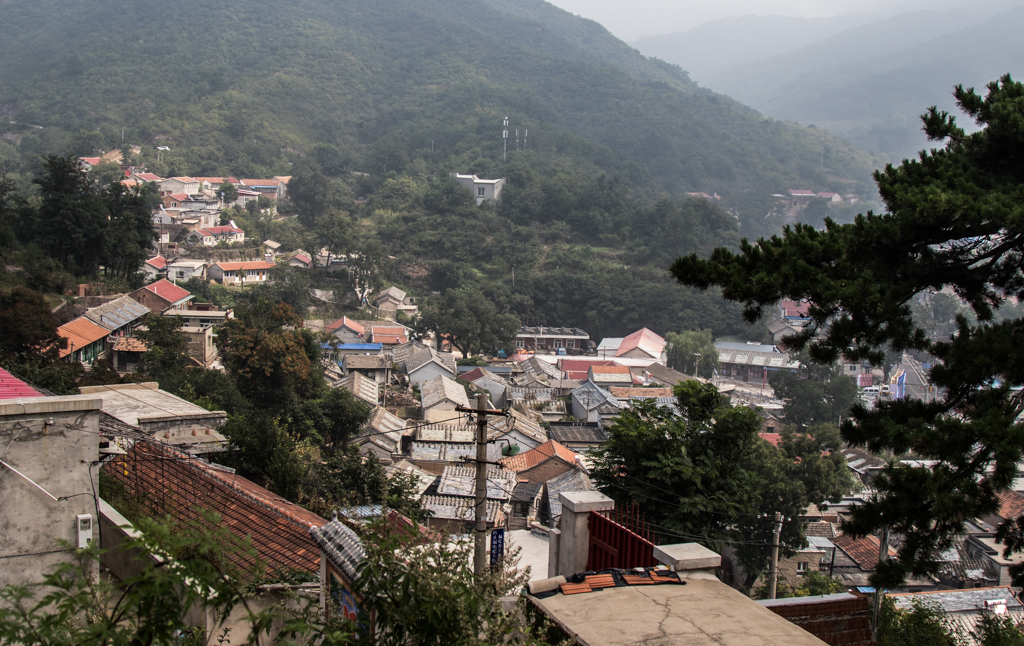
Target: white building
x=186, y=269
x=483, y=189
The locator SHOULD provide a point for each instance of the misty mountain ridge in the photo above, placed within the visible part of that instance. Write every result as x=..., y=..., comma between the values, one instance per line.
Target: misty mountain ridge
x=398, y=86
x=869, y=84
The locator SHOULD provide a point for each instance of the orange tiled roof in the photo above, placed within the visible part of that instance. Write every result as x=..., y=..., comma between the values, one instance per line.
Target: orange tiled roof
x=346, y=322
x=610, y=370
x=535, y=456
x=279, y=529
x=1011, y=504
x=80, y=332
x=130, y=344
x=643, y=339
x=250, y=264
x=157, y=261
x=864, y=551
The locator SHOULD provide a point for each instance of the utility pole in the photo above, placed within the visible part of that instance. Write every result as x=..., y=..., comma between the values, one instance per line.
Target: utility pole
x=479, y=536
x=883, y=555
x=775, y=554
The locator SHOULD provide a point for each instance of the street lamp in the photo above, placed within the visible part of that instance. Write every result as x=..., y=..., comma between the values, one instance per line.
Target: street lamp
x=696, y=365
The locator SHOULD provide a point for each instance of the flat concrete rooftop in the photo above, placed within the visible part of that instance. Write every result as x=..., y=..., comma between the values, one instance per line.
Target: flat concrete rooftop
x=702, y=612
x=131, y=403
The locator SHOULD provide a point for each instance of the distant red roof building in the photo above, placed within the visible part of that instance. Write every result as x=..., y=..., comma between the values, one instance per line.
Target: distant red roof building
x=157, y=262
x=794, y=309
x=642, y=343
x=13, y=388
x=775, y=439
x=389, y=335
x=345, y=322
x=162, y=295
x=864, y=551
x=578, y=369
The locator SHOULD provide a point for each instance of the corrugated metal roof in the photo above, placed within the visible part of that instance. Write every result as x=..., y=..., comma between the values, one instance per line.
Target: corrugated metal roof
x=13, y=388
x=117, y=313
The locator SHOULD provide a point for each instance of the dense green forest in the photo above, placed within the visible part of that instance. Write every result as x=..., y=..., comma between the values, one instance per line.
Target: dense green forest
x=397, y=86
x=384, y=100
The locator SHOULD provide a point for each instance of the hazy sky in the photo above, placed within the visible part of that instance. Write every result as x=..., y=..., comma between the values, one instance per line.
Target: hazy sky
x=630, y=19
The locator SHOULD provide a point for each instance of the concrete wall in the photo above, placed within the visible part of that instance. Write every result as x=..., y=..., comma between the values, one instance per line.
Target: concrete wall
x=52, y=441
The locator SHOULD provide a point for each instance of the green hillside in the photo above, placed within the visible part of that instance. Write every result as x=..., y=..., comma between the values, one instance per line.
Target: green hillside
x=248, y=87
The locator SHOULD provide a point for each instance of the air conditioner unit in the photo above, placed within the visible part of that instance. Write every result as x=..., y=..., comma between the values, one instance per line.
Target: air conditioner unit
x=84, y=530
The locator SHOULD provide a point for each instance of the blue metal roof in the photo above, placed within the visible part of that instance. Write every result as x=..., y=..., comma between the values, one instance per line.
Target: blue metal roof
x=354, y=346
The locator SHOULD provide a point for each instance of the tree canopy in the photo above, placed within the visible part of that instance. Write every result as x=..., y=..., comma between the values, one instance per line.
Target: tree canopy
x=953, y=222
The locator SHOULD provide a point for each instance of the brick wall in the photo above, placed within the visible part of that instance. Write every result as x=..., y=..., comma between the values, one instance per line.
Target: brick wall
x=843, y=621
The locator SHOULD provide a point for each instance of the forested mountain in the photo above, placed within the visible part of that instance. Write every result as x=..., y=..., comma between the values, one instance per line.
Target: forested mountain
x=248, y=87
x=870, y=82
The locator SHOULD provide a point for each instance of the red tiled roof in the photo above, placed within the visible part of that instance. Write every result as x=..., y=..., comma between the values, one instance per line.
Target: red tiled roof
x=610, y=370
x=348, y=323
x=95, y=161
x=472, y=375
x=80, y=332
x=1011, y=504
x=181, y=197
x=157, y=261
x=13, y=388
x=177, y=485
x=389, y=339
x=261, y=182
x=801, y=193
x=398, y=331
x=249, y=264
x=583, y=365
x=864, y=551
x=168, y=291
x=772, y=438
x=794, y=309
x=643, y=339
x=149, y=177
x=533, y=457
x=305, y=258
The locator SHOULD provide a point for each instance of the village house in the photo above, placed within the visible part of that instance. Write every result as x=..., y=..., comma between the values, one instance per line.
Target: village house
x=483, y=189
x=642, y=344
x=422, y=363
x=551, y=339
x=201, y=315
x=273, y=248
x=390, y=336
x=161, y=296
x=751, y=362
x=146, y=177
x=382, y=435
x=347, y=330
x=394, y=300
x=154, y=267
x=120, y=316
x=372, y=366
x=274, y=188
x=178, y=185
x=579, y=437
x=201, y=347
x=212, y=236
x=591, y=403
x=439, y=397
x=183, y=270
x=607, y=376
x=213, y=184
x=241, y=273
x=299, y=259
x=963, y=609
x=86, y=341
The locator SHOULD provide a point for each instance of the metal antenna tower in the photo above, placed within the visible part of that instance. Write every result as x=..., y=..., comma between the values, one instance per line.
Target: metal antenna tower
x=504, y=136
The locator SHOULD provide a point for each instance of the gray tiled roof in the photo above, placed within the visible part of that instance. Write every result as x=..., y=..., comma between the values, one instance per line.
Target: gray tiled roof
x=451, y=508
x=361, y=386
x=575, y=480
x=592, y=397
x=441, y=388
x=460, y=481
x=342, y=546
x=564, y=432
x=552, y=331
x=117, y=313
x=966, y=600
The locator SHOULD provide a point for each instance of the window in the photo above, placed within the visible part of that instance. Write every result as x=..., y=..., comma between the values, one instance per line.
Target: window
x=520, y=509
x=571, y=344
x=519, y=343
x=480, y=191
x=181, y=274
x=801, y=568
x=558, y=343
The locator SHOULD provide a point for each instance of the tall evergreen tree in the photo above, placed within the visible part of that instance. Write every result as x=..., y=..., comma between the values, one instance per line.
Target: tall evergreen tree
x=955, y=220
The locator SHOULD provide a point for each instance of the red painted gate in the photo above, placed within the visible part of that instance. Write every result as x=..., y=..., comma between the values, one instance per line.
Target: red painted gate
x=614, y=546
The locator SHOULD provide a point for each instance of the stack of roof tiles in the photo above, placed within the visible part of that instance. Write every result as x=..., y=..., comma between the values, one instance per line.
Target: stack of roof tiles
x=845, y=620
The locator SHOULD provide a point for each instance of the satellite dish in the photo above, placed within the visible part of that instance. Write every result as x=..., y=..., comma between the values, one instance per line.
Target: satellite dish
x=509, y=450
